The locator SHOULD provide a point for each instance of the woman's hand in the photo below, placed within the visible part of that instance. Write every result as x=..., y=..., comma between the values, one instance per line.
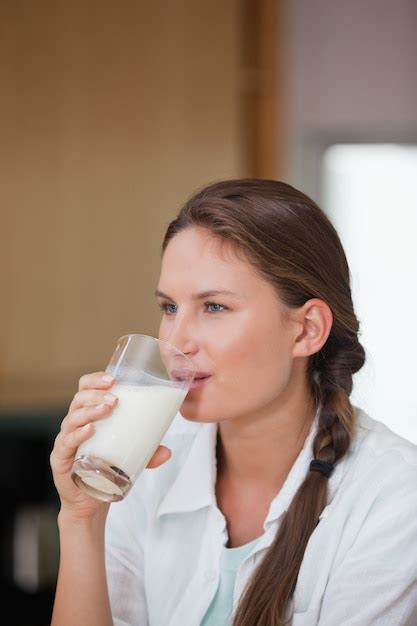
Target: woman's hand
x=93, y=401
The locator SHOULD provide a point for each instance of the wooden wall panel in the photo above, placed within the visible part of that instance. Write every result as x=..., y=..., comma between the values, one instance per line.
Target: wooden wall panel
x=263, y=97
x=111, y=115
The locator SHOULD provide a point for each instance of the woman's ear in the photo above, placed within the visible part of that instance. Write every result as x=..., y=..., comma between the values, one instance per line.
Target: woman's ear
x=314, y=323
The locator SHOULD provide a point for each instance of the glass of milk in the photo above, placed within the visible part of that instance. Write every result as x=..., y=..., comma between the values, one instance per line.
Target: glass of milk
x=152, y=378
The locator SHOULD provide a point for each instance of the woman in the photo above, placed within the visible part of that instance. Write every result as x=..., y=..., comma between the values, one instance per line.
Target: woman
x=281, y=501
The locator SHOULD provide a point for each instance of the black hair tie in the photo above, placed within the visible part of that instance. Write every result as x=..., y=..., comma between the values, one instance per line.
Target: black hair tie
x=321, y=466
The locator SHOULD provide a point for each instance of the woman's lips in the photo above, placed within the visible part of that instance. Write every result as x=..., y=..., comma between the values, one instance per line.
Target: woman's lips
x=185, y=374
x=199, y=382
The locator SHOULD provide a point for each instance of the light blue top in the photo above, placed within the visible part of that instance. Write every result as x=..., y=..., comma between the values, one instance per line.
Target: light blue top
x=219, y=612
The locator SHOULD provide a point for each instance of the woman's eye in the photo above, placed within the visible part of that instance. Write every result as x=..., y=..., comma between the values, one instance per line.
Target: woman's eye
x=214, y=307
x=171, y=309
x=167, y=308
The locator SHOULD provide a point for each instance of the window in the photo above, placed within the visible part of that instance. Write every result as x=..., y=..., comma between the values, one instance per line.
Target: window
x=370, y=195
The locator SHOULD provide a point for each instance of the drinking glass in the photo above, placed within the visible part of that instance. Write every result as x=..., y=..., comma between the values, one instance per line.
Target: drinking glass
x=152, y=378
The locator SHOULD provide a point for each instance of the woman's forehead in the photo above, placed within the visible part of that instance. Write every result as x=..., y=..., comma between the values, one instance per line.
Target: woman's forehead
x=198, y=250
x=195, y=261
x=200, y=238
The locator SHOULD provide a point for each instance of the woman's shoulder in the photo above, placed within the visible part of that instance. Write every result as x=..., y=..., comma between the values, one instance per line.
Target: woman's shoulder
x=381, y=461
x=373, y=437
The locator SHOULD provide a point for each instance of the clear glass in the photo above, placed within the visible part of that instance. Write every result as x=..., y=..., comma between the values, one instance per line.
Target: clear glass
x=152, y=379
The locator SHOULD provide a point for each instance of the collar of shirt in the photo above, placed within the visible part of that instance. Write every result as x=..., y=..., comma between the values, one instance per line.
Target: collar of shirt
x=194, y=486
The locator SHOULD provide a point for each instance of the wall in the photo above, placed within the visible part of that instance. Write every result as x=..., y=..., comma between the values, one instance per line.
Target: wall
x=353, y=79
x=112, y=114
x=352, y=73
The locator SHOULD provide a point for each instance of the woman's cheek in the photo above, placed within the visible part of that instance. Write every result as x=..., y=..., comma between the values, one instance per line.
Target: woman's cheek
x=165, y=328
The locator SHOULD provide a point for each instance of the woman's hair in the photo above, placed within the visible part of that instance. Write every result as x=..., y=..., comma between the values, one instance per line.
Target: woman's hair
x=292, y=244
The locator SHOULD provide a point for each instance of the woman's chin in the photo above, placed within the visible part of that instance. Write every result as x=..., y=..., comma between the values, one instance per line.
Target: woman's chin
x=195, y=416
x=198, y=418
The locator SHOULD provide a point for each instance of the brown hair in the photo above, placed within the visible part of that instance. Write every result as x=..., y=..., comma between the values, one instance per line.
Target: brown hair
x=292, y=244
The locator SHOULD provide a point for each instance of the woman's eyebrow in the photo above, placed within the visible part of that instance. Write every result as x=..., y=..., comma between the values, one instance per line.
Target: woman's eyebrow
x=202, y=294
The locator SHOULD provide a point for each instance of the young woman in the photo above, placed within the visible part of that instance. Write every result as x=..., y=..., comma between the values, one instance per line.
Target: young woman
x=281, y=503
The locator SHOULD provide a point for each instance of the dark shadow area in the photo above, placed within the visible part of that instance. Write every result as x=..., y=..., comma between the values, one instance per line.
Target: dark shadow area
x=29, y=547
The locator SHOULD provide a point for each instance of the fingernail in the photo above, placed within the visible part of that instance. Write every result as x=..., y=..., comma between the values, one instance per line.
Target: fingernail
x=86, y=426
x=107, y=378
x=99, y=407
x=109, y=397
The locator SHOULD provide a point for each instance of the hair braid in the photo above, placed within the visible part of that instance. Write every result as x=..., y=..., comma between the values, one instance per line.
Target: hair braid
x=332, y=370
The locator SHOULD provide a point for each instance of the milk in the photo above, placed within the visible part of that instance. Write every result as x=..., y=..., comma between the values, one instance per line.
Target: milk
x=129, y=435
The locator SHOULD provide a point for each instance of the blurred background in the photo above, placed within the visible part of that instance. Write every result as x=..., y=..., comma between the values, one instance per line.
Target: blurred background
x=111, y=116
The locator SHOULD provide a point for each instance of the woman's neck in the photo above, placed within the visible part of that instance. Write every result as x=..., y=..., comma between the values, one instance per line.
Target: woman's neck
x=260, y=450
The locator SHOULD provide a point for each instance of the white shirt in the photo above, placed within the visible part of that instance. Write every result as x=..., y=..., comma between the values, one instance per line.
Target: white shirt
x=163, y=542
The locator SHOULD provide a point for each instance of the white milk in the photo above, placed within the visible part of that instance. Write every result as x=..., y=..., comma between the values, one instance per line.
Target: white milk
x=129, y=435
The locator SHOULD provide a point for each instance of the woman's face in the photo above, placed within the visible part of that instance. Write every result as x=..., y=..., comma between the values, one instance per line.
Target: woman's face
x=241, y=338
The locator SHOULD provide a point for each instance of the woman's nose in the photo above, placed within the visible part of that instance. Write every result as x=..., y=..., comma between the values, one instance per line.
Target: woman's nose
x=183, y=338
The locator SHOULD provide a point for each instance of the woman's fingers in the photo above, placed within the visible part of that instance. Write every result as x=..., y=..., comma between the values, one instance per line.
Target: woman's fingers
x=72, y=440
x=66, y=445
x=84, y=415
x=88, y=386
x=96, y=380
x=92, y=397
x=161, y=456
